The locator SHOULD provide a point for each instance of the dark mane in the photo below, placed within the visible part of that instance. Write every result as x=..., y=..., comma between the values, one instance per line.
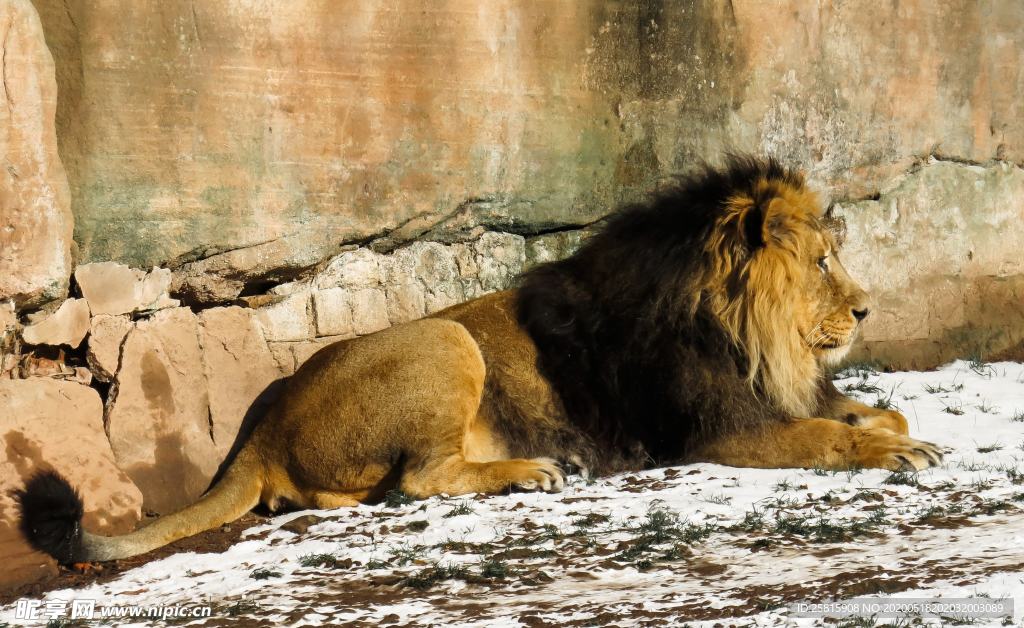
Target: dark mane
x=640, y=363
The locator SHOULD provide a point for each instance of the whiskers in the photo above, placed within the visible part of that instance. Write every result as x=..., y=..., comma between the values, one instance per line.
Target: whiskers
x=816, y=337
x=819, y=337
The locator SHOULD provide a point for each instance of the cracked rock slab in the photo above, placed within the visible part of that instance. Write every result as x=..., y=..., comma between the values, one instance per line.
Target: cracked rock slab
x=112, y=288
x=8, y=317
x=222, y=277
x=287, y=321
x=289, y=356
x=67, y=326
x=239, y=369
x=333, y=308
x=360, y=268
x=158, y=413
x=369, y=311
x=184, y=388
x=106, y=335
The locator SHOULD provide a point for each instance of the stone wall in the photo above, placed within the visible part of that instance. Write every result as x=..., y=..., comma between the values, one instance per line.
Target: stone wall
x=35, y=212
x=249, y=182
x=939, y=251
x=212, y=137
x=240, y=152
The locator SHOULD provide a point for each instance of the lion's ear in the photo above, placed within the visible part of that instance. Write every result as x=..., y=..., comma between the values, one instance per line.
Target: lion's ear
x=752, y=225
x=778, y=225
x=767, y=225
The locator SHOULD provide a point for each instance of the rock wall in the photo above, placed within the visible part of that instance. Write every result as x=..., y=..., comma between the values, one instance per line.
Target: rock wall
x=241, y=152
x=939, y=252
x=35, y=211
x=212, y=138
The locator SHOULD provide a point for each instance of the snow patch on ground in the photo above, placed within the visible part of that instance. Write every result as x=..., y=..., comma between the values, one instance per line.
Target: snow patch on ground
x=703, y=545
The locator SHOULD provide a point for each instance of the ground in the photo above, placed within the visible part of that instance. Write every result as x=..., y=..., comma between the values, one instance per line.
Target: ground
x=703, y=545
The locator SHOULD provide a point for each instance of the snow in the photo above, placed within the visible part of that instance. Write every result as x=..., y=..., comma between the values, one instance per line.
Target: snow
x=717, y=545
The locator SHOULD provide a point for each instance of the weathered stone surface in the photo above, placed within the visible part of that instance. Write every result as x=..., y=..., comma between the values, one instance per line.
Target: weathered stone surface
x=248, y=165
x=158, y=412
x=193, y=285
x=38, y=435
x=109, y=287
x=239, y=367
x=333, y=308
x=106, y=334
x=112, y=288
x=42, y=313
x=500, y=258
x=82, y=376
x=35, y=205
x=305, y=350
x=259, y=300
x=291, y=288
x=289, y=320
x=9, y=365
x=926, y=249
x=291, y=355
x=361, y=291
x=354, y=269
x=405, y=303
x=432, y=265
x=283, y=356
x=369, y=311
x=247, y=168
x=67, y=326
x=222, y=277
x=154, y=291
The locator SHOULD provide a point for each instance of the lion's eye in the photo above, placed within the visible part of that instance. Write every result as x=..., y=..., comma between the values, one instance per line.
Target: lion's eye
x=823, y=264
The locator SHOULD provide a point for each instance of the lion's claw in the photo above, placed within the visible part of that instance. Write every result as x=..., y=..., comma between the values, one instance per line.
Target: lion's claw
x=887, y=450
x=544, y=474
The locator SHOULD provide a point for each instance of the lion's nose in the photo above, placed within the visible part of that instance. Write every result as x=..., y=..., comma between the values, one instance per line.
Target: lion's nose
x=861, y=314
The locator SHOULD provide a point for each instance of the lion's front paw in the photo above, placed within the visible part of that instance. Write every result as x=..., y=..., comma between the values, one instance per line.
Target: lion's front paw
x=539, y=473
x=887, y=419
x=880, y=448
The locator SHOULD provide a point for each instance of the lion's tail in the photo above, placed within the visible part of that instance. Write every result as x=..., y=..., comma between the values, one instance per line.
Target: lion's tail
x=51, y=516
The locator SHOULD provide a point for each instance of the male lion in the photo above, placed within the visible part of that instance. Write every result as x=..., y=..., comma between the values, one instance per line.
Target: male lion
x=693, y=328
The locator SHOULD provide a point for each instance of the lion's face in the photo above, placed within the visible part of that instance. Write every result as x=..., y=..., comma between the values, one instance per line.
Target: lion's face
x=834, y=303
x=781, y=291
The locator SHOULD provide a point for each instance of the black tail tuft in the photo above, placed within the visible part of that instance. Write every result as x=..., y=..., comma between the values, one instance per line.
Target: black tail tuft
x=51, y=516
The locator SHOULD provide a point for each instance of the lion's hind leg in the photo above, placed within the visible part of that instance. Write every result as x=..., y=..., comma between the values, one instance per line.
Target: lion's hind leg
x=328, y=500
x=456, y=476
x=427, y=411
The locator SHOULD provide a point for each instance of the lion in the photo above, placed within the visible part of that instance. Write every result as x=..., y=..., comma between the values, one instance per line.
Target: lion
x=697, y=327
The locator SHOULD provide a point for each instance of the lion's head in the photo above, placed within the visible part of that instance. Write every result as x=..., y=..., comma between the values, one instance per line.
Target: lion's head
x=774, y=279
